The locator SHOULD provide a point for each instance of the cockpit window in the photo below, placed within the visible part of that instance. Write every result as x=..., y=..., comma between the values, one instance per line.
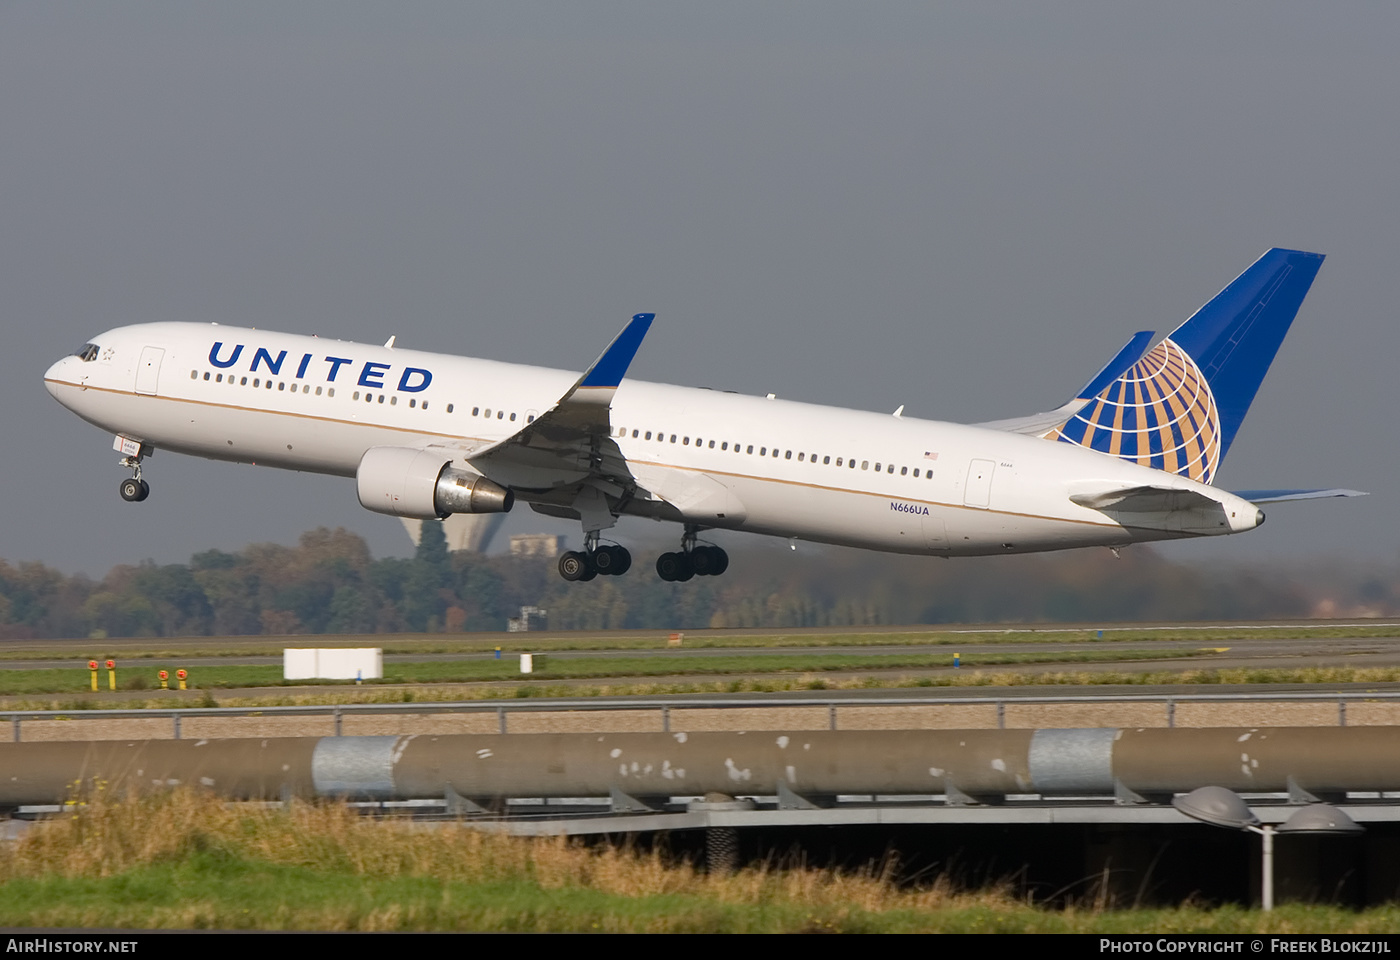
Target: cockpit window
x=88, y=353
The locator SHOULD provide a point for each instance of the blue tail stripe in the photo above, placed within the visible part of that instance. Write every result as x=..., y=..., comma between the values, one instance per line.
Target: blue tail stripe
x=1123, y=360
x=1235, y=336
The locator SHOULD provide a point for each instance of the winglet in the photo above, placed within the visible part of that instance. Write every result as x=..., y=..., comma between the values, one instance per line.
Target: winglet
x=609, y=369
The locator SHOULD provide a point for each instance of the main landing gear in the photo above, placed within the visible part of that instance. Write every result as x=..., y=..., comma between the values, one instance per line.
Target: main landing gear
x=610, y=560
x=693, y=560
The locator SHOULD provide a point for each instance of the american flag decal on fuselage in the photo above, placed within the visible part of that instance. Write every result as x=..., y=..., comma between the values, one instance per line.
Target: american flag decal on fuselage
x=1160, y=414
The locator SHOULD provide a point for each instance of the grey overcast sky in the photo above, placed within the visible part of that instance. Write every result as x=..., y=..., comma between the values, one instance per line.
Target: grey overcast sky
x=965, y=208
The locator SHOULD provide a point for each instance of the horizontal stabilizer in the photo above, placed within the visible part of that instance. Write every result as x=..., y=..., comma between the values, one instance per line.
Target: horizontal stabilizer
x=1143, y=499
x=1279, y=496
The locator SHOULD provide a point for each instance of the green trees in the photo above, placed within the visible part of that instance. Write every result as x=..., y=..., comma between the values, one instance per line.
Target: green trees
x=329, y=583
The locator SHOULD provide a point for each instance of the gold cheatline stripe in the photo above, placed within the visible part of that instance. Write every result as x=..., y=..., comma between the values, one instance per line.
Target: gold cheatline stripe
x=672, y=466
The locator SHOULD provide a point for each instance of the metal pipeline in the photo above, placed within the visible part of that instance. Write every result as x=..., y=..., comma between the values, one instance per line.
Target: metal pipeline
x=975, y=763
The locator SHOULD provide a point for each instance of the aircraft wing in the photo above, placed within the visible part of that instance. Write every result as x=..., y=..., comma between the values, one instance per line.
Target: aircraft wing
x=583, y=411
x=565, y=459
x=1039, y=424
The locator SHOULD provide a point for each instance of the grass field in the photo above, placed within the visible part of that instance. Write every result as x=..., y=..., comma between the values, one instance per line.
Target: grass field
x=184, y=861
x=773, y=683
x=155, y=648
x=77, y=680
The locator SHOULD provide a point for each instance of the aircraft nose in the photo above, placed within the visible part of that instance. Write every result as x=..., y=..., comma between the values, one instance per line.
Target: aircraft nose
x=56, y=373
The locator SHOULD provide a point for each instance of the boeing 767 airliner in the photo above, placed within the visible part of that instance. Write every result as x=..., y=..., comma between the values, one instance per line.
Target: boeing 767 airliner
x=1130, y=459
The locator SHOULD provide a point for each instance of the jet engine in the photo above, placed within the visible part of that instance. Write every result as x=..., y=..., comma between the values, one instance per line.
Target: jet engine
x=404, y=482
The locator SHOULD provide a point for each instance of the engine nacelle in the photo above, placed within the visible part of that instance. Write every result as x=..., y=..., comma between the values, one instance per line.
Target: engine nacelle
x=404, y=482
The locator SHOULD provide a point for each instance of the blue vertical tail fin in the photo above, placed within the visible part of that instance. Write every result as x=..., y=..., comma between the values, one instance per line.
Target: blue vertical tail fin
x=1179, y=407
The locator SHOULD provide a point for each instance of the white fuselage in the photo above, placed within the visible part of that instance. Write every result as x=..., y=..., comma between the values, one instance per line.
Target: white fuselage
x=716, y=459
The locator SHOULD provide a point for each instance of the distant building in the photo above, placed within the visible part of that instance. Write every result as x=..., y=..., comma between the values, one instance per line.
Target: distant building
x=531, y=618
x=536, y=545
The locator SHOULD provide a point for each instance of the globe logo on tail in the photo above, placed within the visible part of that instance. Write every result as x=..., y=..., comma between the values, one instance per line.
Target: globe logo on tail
x=1160, y=414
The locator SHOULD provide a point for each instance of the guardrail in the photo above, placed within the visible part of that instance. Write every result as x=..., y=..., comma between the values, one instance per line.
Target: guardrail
x=503, y=709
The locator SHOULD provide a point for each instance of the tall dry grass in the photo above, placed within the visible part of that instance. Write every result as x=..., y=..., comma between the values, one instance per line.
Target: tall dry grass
x=105, y=836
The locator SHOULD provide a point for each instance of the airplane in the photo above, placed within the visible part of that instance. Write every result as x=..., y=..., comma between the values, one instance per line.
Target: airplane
x=1131, y=458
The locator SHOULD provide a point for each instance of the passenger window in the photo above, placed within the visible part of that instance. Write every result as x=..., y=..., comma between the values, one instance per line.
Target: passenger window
x=412, y=403
x=865, y=465
x=512, y=417
x=916, y=472
x=330, y=392
x=685, y=442
x=393, y=401
x=852, y=464
x=750, y=450
x=306, y=389
x=476, y=411
x=218, y=378
x=318, y=391
x=243, y=382
x=723, y=446
x=282, y=386
x=635, y=432
x=356, y=396
x=763, y=451
x=425, y=404
x=890, y=469
x=500, y=414
x=839, y=463
x=877, y=468
x=673, y=438
x=826, y=460
x=488, y=413
x=450, y=407
x=268, y=385
x=775, y=453
x=648, y=436
x=206, y=375
x=903, y=471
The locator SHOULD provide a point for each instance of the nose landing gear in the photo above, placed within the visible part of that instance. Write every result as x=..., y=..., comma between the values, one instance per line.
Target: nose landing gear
x=134, y=489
